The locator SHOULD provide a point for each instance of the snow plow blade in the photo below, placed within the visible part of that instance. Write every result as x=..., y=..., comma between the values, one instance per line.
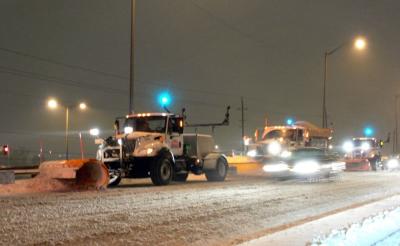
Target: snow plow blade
x=62, y=176
x=358, y=165
x=87, y=173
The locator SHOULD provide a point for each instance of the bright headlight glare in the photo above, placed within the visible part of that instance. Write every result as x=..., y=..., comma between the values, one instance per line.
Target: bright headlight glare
x=286, y=154
x=149, y=151
x=306, y=167
x=274, y=148
x=275, y=167
x=348, y=146
x=339, y=165
x=393, y=163
x=252, y=153
x=128, y=129
x=365, y=146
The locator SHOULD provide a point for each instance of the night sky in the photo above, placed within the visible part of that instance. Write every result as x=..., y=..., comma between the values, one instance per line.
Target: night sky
x=206, y=53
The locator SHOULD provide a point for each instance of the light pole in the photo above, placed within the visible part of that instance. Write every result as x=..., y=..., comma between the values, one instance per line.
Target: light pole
x=132, y=57
x=359, y=44
x=53, y=104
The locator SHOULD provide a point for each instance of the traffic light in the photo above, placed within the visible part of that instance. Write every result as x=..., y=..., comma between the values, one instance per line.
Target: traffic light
x=5, y=149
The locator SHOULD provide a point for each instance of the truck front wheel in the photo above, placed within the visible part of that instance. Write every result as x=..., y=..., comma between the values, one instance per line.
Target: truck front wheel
x=219, y=174
x=161, y=171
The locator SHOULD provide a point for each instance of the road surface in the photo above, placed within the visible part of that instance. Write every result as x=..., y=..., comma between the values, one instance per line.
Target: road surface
x=195, y=213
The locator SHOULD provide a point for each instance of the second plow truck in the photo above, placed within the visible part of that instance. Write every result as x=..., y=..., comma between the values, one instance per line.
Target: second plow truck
x=363, y=154
x=154, y=145
x=279, y=141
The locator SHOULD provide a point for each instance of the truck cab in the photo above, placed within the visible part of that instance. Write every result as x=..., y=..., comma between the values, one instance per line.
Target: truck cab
x=154, y=145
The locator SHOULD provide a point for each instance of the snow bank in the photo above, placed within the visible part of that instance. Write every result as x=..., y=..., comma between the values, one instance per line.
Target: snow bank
x=381, y=229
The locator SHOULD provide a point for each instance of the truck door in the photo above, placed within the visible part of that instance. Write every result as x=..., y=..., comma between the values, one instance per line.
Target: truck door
x=175, y=137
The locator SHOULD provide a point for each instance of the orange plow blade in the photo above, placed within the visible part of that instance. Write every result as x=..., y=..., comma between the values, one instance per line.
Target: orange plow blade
x=63, y=175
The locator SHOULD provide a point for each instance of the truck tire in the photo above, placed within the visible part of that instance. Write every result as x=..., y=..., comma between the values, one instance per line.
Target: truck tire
x=115, y=179
x=219, y=174
x=180, y=177
x=373, y=163
x=161, y=171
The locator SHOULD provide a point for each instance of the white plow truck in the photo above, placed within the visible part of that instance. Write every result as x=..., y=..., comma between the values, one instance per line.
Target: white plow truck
x=154, y=145
x=279, y=141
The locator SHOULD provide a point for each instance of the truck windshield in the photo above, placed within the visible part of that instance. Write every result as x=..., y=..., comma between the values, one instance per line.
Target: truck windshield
x=364, y=142
x=289, y=134
x=147, y=124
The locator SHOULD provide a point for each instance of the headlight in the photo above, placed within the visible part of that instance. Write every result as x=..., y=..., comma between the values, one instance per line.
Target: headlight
x=286, y=154
x=275, y=167
x=338, y=166
x=274, y=148
x=392, y=163
x=149, y=151
x=348, y=146
x=252, y=153
x=128, y=129
x=365, y=146
x=306, y=167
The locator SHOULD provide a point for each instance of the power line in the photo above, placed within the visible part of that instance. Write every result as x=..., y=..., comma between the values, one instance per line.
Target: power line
x=58, y=80
x=72, y=66
x=226, y=24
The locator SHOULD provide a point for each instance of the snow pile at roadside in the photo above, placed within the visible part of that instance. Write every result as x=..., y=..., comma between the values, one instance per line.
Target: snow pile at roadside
x=371, y=231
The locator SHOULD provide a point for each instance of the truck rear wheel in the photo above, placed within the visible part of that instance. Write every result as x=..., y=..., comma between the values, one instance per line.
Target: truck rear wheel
x=180, y=177
x=161, y=171
x=219, y=174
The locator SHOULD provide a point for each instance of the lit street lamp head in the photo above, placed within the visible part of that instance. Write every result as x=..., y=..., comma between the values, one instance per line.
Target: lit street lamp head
x=94, y=132
x=360, y=43
x=82, y=106
x=52, y=104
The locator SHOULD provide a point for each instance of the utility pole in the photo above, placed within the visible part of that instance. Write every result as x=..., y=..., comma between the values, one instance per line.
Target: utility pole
x=132, y=57
x=396, y=122
x=242, y=109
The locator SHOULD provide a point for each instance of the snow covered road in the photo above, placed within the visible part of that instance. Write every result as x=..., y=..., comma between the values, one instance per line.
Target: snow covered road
x=195, y=213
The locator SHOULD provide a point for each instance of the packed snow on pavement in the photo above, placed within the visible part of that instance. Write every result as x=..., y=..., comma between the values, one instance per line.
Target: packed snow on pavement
x=381, y=229
x=196, y=213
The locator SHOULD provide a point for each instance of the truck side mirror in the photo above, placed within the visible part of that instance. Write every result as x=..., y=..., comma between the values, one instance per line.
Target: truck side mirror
x=116, y=126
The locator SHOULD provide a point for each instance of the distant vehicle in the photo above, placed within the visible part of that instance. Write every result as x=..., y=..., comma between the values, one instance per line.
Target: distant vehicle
x=306, y=162
x=363, y=154
x=154, y=145
x=279, y=141
x=392, y=163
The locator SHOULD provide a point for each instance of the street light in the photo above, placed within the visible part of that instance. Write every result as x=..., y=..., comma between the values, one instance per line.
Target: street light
x=53, y=104
x=94, y=132
x=82, y=106
x=360, y=44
